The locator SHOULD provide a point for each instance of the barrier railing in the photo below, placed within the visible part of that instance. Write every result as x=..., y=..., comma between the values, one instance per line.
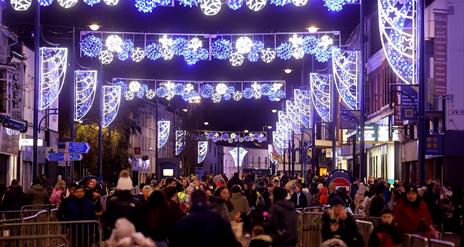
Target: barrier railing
x=27, y=211
x=365, y=228
x=75, y=233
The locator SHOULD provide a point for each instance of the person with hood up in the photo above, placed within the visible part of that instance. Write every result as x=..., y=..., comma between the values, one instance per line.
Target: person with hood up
x=359, y=200
x=123, y=204
x=412, y=214
x=37, y=194
x=239, y=201
x=259, y=238
x=235, y=180
x=283, y=218
x=13, y=198
x=220, y=203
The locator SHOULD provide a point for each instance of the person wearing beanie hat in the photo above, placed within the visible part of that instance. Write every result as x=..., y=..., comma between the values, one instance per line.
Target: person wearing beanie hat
x=123, y=204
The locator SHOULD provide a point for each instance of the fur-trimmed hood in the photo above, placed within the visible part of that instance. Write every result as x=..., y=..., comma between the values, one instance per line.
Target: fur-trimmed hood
x=263, y=237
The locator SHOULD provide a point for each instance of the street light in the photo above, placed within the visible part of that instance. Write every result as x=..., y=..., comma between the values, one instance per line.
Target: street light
x=246, y=131
x=205, y=123
x=185, y=110
x=274, y=111
x=269, y=127
x=288, y=71
x=94, y=27
x=312, y=29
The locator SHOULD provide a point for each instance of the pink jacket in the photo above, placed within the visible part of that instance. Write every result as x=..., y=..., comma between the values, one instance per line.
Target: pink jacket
x=55, y=197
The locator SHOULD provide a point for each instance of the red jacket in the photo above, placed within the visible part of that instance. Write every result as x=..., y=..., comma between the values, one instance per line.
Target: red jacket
x=412, y=218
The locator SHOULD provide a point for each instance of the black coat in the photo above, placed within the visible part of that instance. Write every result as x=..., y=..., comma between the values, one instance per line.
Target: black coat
x=123, y=204
x=13, y=199
x=284, y=220
x=73, y=209
x=302, y=202
x=347, y=231
x=203, y=228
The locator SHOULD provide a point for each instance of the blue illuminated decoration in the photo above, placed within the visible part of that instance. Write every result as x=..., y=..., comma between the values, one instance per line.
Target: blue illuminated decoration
x=111, y=103
x=309, y=44
x=123, y=56
x=91, y=2
x=202, y=150
x=189, y=3
x=221, y=49
x=321, y=91
x=397, y=25
x=253, y=57
x=235, y=4
x=227, y=96
x=146, y=6
x=336, y=5
x=293, y=113
x=85, y=88
x=257, y=47
x=345, y=71
x=162, y=92
x=91, y=46
x=179, y=45
x=127, y=45
x=284, y=51
x=53, y=64
x=44, y=3
x=153, y=51
x=237, y=155
x=248, y=93
x=192, y=57
x=280, y=2
x=206, y=91
x=303, y=101
x=164, y=128
x=180, y=141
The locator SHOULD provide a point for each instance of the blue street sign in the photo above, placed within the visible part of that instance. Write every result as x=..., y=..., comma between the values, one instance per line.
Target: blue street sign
x=55, y=157
x=75, y=157
x=78, y=147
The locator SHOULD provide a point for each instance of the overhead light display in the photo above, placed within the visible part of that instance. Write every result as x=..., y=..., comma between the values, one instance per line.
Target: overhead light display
x=111, y=103
x=85, y=88
x=345, y=73
x=321, y=91
x=202, y=151
x=164, y=128
x=53, y=64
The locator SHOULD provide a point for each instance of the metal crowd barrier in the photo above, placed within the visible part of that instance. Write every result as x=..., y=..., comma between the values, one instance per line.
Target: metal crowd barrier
x=51, y=234
x=44, y=212
x=365, y=228
x=309, y=228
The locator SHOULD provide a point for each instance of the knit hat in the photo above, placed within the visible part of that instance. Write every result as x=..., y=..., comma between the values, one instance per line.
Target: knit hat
x=412, y=188
x=124, y=181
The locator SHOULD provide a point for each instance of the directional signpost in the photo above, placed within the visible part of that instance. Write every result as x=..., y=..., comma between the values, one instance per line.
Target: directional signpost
x=75, y=157
x=77, y=147
x=72, y=152
x=52, y=156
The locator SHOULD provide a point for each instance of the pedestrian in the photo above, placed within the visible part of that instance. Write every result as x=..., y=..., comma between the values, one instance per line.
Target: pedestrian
x=37, y=194
x=173, y=203
x=298, y=197
x=235, y=180
x=338, y=223
x=96, y=200
x=145, y=193
x=57, y=193
x=413, y=216
x=239, y=201
x=220, y=203
x=377, y=201
x=159, y=221
x=283, y=219
x=202, y=227
x=359, y=200
x=14, y=197
x=386, y=234
x=259, y=238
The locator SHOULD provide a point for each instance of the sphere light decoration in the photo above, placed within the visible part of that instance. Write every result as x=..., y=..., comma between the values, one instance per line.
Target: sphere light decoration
x=128, y=95
x=146, y=6
x=195, y=44
x=221, y=49
x=210, y=7
x=243, y=45
x=237, y=95
x=165, y=41
x=114, y=43
x=67, y=3
x=221, y=88
x=253, y=57
x=106, y=57
x=150, y=94
x=20, y=5
x=280, y=2
x=227, y=96
x=334, y=5
x=284, y=51
x=231, y=89
x=167, y=54
x=258, y=46
x=298, y=53
x=91, y=2
x=299, y=3
x=296, y=40
x=189, y=3
x=179, y=45
x=127, y=45
x=248, y=93
x=188, y=88
x=265, y=88
x=91, y=46
x=234, y=4
x=111, y=2
x=162, y=92
x=123, y=56
x=256, y=5
x=153, y=51
x=236, y=59
x=45, y=3
x=137, y=54
x=178, y=88
x=268, y=55
x=134, y=86
x=216, y=98
x=206, y=91
x=309, y=44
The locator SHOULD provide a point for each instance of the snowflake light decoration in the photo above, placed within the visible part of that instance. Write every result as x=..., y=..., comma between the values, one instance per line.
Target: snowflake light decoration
x=345, y=73
x=194, y=44
x=210, y=7
x=397, y=25
x=181, y=136
x=53, y=63
x=146, y=6
x=91, y=46
x=253, y=57
x=221, y=49
x=321, y=91
x=303, y=102
x=106, y=57
x=236, y=59
x=216, y=98
x=137, y=54
x=85, y=88
x=123, y=56
x=67, y=3
x=206, y=91
x=128, y=95
x=298, y=53
x=134, y=86
x=150, y=94
x=234, y=4
x=299, y=3
x=237, y=95
x=153, y=51
x=280, y=2
x=256, y=5
x=179, y=45
x=164, y=128
x=91, y=2
x=243, y=45
x=248, y=93
x=202, y=150
x=20, y=5
x=268, y=55
x=114, y=43
x=334, y=5
x=221, y=88
x=127, y=45
x=189, y=3
x=309, y=44
x=111, y=103
x=284, y=51
x=45, y=3
x=111, y=2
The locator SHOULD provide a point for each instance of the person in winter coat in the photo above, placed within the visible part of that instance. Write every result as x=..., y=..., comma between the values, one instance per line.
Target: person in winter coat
x=13, y=198
x=298, y=197
x=337, y=223
x=259, y=238
x=57, y=193
x=235, y=180
x=202, y=227
x=412, y=214
x=173, y=203
x=220, y=203
x=37, y=194
x=123, y=204
x=283, y=218
x=386, y=234
x=378, y=201
x=158, y=219
x=359, y=200
x=239, y=201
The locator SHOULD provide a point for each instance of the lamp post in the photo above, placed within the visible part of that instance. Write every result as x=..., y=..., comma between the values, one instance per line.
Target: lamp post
x=362, y=154
x=422, y=87
x=35, y=167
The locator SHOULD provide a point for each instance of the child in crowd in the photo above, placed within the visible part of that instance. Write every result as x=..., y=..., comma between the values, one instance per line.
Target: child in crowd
x=386, y=234
x=259, y=238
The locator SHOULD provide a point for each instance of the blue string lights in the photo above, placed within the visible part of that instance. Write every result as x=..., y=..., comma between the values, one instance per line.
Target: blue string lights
x=53, y=64
x=45, y=3
x=91, y=3
x=345, y=71
x=111, y=103
x=234, y=136
x=202, y=150
x=85, y=88
x=321, y=91
x=397, y=24
x=164, y=128
x=235, y=48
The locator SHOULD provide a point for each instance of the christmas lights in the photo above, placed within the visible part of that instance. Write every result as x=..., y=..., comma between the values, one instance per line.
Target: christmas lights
x=53, y=64
x=237, y=155
x=321, y=91
x=111, y=103
x=85, y=88
x=164, y=128
x=180, y=141
x=202, y=150
x=345, y=73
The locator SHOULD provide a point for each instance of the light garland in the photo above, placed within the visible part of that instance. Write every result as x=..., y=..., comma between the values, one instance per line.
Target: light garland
x=146, y=6
x=111, y=103
x=221, y=49
x=237, y=155
x=85, y=88
x=321, y=91
x=20, y=5
x=231, y=136
x=53, y=64
x=202, y=150
x=397, y=25
x=180, y=141
x=164, y=128
x=345, y=73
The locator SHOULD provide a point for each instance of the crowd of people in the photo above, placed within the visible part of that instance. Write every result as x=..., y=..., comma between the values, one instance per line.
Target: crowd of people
x=246, y=210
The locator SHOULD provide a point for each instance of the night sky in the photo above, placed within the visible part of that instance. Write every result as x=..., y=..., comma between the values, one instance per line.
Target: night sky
x=247, y=114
